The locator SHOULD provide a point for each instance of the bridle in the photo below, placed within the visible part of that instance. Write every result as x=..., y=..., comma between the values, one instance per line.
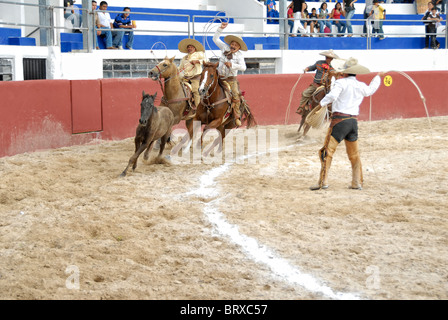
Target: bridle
x=162, y=87
x=207, y=88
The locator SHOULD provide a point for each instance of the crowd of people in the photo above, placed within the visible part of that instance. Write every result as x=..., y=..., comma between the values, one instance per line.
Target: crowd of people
x=322, y=19
x=112, y=31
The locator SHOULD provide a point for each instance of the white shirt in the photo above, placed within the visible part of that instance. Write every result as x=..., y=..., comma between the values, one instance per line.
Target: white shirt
x=348, y=93
x=237, y=60
x=105, y=19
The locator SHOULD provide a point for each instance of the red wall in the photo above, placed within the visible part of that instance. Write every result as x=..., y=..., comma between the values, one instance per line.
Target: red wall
x=45, y=114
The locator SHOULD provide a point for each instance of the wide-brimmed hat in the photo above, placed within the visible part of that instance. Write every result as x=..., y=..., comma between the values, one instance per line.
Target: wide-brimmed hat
x=186, y=42
x=329, y=54
x=349, y=66
x=228, y=39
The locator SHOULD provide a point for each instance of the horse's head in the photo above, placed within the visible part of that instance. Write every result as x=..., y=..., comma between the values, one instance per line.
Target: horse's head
x=147, y=107
x=164, y=69
x=209, y=78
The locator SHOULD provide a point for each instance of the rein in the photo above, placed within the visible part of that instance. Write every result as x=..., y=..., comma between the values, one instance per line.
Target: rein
x=211, y=106
x=163, y=89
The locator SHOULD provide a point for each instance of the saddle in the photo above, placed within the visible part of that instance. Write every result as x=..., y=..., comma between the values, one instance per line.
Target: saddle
x=307, y=106
x=188, y=91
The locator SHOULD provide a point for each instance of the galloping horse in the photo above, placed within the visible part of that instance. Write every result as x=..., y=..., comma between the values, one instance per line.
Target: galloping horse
x=175, y=96
x=155, y=123
x=314, y=101
x=215, y=108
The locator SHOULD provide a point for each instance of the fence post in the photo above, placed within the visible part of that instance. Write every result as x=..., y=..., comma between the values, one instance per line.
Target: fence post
x=44, y=19
x=283, y=22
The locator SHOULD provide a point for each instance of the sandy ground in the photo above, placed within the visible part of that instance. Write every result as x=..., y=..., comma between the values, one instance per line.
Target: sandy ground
x=70, y=228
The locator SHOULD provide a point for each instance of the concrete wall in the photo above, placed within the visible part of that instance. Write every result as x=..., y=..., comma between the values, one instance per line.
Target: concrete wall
x=45, y=114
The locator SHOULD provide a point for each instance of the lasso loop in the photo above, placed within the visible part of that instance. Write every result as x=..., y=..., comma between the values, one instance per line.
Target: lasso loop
x=290, y=99
x=424, y=104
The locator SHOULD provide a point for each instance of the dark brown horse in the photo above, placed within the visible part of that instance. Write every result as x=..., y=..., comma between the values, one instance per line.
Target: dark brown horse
x=314, y=101
x=155, y=123
x=215, y=111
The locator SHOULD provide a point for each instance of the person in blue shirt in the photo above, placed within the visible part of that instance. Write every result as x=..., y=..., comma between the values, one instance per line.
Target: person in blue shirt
x=123, y=21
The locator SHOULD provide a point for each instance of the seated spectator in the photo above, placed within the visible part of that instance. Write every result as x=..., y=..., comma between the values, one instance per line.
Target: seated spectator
x=336, y=14
x=324, y=23
x=305, y=18
x=72, y=15
x=272, y=12
x=104, y=24
x=314, y=23
x=379, y=14
x=123, y=21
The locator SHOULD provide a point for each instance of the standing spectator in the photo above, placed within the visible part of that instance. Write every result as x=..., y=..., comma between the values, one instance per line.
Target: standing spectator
x=272, y=12
x=443, y=7
x=336, y=14
x=298, y=8
x=349, y=9
x=426, y=23
x=314, y=22
x=367, y=10
x=123, y=21
x=72, y=15
x=323, y=14
x=435, y=18
x=290, y=15
x=379, y=14
x=104, y=24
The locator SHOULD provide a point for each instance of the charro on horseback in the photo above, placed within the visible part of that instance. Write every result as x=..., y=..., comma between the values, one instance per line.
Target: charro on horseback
x=230, y=62
x=190, y=68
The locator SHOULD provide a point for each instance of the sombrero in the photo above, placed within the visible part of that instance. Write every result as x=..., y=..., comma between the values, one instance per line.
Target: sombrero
x=228, y=39
x=349, y=66
x=186, y=42
x=329, y=54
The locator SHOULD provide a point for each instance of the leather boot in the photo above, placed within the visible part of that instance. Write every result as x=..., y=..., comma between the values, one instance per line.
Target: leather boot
x=236, y=111
x=355, y=160
x=326, y=157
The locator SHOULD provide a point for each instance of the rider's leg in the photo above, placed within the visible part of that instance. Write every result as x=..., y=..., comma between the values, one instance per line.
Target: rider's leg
x=236, y=102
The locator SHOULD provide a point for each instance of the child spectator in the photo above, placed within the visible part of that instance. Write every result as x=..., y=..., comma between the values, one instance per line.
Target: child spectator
x=379, y=14
x=314, y=23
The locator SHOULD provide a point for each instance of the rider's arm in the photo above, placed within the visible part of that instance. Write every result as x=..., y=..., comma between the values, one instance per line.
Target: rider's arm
x=221, y=44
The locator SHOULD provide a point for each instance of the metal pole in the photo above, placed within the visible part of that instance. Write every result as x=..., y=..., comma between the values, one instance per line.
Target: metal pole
x=283, y=24
x=87, y=22
x=44, y=19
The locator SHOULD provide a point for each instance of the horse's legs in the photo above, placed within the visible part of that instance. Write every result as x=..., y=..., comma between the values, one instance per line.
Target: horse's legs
x=147, y=151
x=217, y=141
x=133, y=159
x=186, y=138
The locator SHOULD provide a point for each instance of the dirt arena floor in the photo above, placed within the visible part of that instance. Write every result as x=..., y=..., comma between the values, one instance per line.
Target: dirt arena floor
x=244, y=228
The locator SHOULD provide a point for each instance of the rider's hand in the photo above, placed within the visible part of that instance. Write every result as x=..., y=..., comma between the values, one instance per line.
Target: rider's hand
x=224, y=24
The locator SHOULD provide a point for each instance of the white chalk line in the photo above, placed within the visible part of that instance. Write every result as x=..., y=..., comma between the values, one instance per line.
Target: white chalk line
x=257, y=252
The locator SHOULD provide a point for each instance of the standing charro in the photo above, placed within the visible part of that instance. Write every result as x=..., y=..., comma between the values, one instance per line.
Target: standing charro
x=230, y=62
x=190, y=66
x=322, y=68
x=346, y=97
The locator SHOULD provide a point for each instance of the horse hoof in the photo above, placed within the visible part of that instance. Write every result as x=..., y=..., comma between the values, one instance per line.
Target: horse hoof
x=123, y=174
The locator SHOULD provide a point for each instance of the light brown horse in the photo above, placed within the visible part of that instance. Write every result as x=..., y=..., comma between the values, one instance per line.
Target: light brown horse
x=155, y=123
x=314, y=101
x=175, y=96
x=214, y=110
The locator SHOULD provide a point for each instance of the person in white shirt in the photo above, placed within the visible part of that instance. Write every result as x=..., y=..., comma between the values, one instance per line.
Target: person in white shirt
x=346, y=97
x=190, y=67
x=104, y=24
x=230, y=62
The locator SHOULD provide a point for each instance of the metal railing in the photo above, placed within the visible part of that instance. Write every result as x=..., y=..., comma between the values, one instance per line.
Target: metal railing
x=49, y=35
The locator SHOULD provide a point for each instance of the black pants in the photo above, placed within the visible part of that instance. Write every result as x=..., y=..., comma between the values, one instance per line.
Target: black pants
x=346, y=129
x=431, y=39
